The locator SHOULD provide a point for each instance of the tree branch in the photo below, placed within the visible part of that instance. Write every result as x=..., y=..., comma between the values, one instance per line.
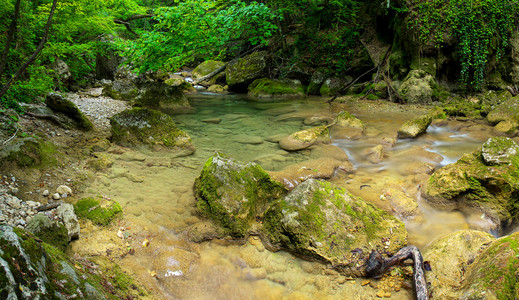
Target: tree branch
x=126, y=21
x=10, y=36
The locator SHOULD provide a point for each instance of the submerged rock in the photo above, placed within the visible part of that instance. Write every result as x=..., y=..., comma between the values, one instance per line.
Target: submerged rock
x=449, y=257
x=265, y=88
x=232, y=193
x=486, y=179
x=147, y=127
x=415, y=127
x=321, y=222
x=494, y=273
x=305, y=138
x=243, y=71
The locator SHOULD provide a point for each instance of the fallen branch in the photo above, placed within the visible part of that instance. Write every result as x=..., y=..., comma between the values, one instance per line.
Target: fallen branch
x=47, y=117
x=48, y=206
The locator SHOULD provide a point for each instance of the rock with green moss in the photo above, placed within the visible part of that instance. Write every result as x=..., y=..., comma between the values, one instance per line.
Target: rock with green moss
x=50, y=231
x=346, y=119
x=29, y=152
x=321, y=222
x=266, y=88
x=417, y=87
x=243, y=71
x=332, y=86
x=316, y=81
x=449, y=257
x=415, y=127
x=206, y=68
x=494, y=273
x=58, y=103
x=100, y=211
x=506, y=116
x=149, y=128
x=305, y=138
x=233, y=194
x=486, y=179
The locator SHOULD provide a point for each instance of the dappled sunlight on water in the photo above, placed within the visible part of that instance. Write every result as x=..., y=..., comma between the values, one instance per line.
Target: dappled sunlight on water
x=155, y=190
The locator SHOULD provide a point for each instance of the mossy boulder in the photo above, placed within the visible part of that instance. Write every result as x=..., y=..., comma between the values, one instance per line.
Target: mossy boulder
x=346, y=119
x=486, y=179
x=321, y=222
x=206, y=68
x=506, y=116
x=316, y=81
x=265, y=88
x=494, y=273
x=58, y=103
x=417, y=87
x=233, y=193
x=305, y=138
x=50, y=231
x=415, y=127
x=243, y=71
x=150, y=128
x=101, y=211
x=332, y=86
x=29, y=152
x=449, y=257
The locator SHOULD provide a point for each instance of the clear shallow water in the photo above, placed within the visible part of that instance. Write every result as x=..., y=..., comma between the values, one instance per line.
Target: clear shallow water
x=155, y=190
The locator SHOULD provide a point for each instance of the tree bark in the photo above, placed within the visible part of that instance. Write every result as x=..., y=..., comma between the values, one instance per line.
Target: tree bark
x=34, y=54
x=10, y=36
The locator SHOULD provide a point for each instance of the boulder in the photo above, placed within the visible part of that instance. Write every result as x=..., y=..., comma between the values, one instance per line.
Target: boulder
x=29, y=152
x=417, y=87
x=506, y=116
x=215, y=88
x=305, y=138
x=149, y=128
x=375, y=154
x=494, y=273
x=486, y=179
x=206, y=68
x=58, y=103
x=66, y=214
x=62, y=70
x=345, y=119
x=332, y=86
x=320, y=222
x=243, y=71
x=266, y=88
x=415, y=127
x=233, y=193
x=450, y=256
x=50, y=231
x=316, y=81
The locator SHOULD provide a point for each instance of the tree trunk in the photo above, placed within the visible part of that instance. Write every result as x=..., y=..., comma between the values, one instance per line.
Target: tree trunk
x=34, y=54
x=10, y=35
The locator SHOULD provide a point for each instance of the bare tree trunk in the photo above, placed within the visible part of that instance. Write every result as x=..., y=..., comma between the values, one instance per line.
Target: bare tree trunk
x=34, y=54
x=10, y=35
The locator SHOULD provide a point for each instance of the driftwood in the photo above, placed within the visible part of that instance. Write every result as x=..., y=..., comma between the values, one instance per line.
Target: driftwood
x=378, y=265
x=48, y=206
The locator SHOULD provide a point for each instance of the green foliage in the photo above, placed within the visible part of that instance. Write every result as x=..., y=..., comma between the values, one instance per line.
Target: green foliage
x=482, y=28
x=195, y=29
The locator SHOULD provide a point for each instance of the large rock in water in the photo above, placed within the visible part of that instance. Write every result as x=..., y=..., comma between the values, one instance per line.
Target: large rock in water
x=266, y=88
x=233, y=194
x=305, y=138
x=449, y=257
x=320, y=222
x=206, y=68
x=148, y=127
x=242, y=72
x=415, y=127
x=486, y=179
x=495, y=272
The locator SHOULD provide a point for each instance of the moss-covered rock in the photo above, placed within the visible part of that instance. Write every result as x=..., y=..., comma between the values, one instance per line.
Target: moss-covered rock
x=50, y=231
x=449, y=257
x=316, y=81
x=233, y=194
x=486, y=179
x=321, y=222
x=332, y=86
x=243, y=71
x=206, y=68
x=417, y=87
x=265, y=88
x=147, y=127
x=29, y=152
x=346, y=119
x=100, y=211
x=415, y=127
x=58, y=103
x=506, y=116
x=494, y=273
x=305, y=138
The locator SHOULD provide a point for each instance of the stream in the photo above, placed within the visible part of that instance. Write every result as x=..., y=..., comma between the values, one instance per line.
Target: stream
x=155, y=191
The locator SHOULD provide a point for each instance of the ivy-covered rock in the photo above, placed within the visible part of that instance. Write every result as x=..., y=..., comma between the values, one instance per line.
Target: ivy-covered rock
x=321, y=222
x=265, y=88
x=147, y=127
x=415, y=127
x=243, y=71
x=100, y=211
x=233, y=194
x=58, y=103
x=494, y=273
x=486, y=179
x=417, y=87
x=305, y=138
x=206, y=68
x=449, y=257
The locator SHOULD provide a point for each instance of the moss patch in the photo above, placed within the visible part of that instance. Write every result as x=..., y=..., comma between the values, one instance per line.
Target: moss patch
x=265, y=87
x=100, y=211
x=31, y=152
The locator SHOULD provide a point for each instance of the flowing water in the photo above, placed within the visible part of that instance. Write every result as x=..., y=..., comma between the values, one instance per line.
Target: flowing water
x=155, y=190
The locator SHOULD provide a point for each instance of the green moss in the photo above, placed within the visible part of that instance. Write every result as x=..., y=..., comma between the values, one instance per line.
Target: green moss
x=34, y=153
x=265, y=87
x=100, y=213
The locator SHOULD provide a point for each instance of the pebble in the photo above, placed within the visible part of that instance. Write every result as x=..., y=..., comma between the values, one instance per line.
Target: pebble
x=63, y=189
x=45, y=193
x=56, y=196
